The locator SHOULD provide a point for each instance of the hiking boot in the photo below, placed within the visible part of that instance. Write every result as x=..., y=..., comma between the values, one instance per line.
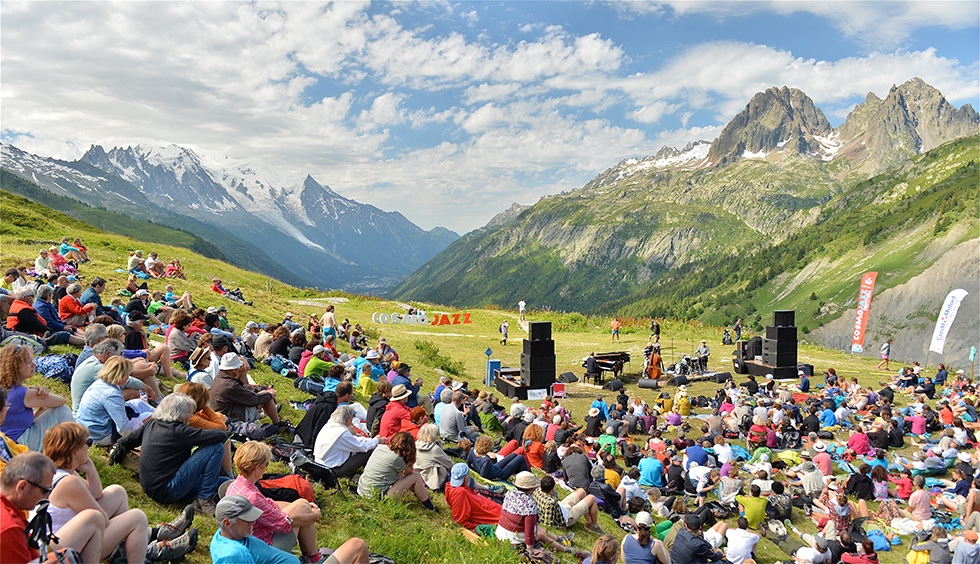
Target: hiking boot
x=205, y=505
x=176, y=527
x=174, y=549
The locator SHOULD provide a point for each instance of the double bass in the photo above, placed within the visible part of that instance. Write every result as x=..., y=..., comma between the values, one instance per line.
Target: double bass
x=654, y=368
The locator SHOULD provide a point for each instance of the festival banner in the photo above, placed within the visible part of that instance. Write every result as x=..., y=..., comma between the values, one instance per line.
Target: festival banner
x=861, y=316
x=946, y=316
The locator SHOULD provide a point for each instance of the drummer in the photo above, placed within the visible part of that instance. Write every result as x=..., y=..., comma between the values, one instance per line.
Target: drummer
x=702, y=353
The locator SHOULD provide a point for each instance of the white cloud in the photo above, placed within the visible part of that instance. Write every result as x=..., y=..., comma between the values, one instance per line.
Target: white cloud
x=876, y=24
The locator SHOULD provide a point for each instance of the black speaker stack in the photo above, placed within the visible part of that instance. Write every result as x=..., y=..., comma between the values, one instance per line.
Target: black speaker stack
x=779, y=348
x=538, y=359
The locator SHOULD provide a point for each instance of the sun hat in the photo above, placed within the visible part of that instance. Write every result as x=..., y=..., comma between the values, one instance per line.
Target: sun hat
x=556, y=419
x=372, y=354
x=820, y=446
x=318, y=350
x=808, y=467
x=289, y=314
x=137, y=315
x=198, y=353
x=141, y=292
x=644, y=518
x=964, y=456
x=528, y=416
x=344, y=358
x=526, y=481
x=457, y=386
x=230, y=361
x=961, y=371
x=221, y=308
x=251, y=325
x=484, y=395
x=382, y=340
x=593, y=412
x=400, y=392
x=212, y=309
x=236, y=507
x=458, y=474
x=220, y=341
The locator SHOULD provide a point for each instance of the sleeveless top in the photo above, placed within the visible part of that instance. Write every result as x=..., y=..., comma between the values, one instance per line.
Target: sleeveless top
x=633, y=553
x=59, y=515
x=19, y=416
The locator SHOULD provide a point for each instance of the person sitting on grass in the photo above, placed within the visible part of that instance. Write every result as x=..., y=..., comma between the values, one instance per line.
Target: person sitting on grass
x=341, y=446
x=234, y=397
x=45, y=307
x=468, y=501
x=282, y=524
x=154, y=265
x=519, y=518
x=491, y=467
x=753, y=507
x=168, y=469
x=390, y=472
x=175, y=270
x=31, y=411
x=23, y=318
x=207, y=418
x=565, y=513
x=103, y=409
x=43, y=265
x=136, y=340
x=432, y=462
x=67, y=445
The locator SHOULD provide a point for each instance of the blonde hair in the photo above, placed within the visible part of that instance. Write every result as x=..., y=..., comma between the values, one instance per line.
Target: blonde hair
x=605, y=549
x=251, y=455
x=429, y=433
x=117, y=332
x=116, y=370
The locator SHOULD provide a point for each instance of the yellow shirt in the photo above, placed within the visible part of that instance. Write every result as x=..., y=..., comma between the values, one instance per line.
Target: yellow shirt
x=14, y=449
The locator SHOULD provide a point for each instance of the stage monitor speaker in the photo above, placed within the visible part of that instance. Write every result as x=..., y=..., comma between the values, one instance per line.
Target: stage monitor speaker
x=679, y=380
x=739, y=366
x=784, y=318
x=780, y=333
x=722, y=377
x=539, y=330
x=648, y=383
x=567, y=378
x=613, y=385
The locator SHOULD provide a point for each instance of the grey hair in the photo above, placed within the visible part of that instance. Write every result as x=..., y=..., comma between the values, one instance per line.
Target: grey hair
x=428, y=433
x=73, y=287
x=111, y=347
x=29, y=466
x=24, y=293
x=95, y=333
x=446, y=395
x=175, y=407
x=342, y=414
x=44, y=292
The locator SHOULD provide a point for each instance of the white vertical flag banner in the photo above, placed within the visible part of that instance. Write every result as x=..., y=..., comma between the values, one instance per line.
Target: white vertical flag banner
x=946, y=316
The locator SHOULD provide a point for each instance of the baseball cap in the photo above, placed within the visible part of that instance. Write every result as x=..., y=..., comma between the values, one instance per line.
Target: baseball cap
x=141, y=292
x=970, y=535
x=236, y=507
x=220, y=341
x=251, y=325
x=692, y=522
x=318, y=350
x=644, y=518
x=458, y=474
x=221, y=308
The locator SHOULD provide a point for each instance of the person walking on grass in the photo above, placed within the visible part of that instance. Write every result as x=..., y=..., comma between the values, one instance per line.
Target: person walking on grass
x=886, y=351
x=504, y=327
x=521, y=309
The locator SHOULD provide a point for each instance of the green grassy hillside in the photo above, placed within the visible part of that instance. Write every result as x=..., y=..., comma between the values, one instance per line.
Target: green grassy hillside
x=403, y=531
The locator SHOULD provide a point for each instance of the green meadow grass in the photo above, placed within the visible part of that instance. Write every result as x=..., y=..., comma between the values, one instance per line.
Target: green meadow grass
x=402, y=530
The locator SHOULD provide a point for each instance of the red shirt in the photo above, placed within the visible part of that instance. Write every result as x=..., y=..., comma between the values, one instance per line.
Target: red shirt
x=471, y=509
x=13, y=543
x=391, y=421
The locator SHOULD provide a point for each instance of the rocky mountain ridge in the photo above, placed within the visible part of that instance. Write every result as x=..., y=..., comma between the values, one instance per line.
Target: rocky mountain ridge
x=763, y=179
x=322, y=238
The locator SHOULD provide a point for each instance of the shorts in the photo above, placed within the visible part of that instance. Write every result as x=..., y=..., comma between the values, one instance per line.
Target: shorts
x=284, y=541
x=615, y=331
x=884, y=356
x=332, y=560
x=714, y=538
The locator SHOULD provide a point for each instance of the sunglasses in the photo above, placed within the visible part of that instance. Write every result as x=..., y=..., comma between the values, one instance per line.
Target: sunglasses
x=43, y=489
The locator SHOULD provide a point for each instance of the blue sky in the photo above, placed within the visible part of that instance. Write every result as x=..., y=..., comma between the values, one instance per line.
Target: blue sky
x=450, y=111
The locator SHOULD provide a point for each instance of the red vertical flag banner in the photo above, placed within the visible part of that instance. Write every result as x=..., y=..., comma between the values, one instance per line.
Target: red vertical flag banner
x=861, y=316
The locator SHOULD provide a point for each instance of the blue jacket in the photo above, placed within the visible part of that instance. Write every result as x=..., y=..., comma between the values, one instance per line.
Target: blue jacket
x=101, y=408
x=49, y=312
x=413, y=400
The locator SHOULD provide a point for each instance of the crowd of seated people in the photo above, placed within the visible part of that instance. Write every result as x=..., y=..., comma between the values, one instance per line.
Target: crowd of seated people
x=408, y=442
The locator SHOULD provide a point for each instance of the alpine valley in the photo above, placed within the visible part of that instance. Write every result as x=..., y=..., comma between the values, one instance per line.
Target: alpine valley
x=293, y=229
x=781, y=211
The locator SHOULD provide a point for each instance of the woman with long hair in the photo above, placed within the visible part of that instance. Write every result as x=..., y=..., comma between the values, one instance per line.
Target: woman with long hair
x=207, y=418
x=604, y=551
x=32, y=410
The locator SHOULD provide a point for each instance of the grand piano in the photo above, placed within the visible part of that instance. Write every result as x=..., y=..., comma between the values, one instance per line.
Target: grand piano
x=608, y=362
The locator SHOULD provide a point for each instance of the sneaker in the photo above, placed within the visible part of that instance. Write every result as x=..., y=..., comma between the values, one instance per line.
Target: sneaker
x=595, y=529
x=497, y=489
x=174, y=549
x=205, y=505
x=176, y=527
x=566, y=540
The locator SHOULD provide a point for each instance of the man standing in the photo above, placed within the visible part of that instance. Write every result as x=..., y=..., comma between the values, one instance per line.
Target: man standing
x=654, y=329
x=503, y=332
x=702, y=353
x=886, y=351
x=738, y=329
x=614, y=325
x=521, y=309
